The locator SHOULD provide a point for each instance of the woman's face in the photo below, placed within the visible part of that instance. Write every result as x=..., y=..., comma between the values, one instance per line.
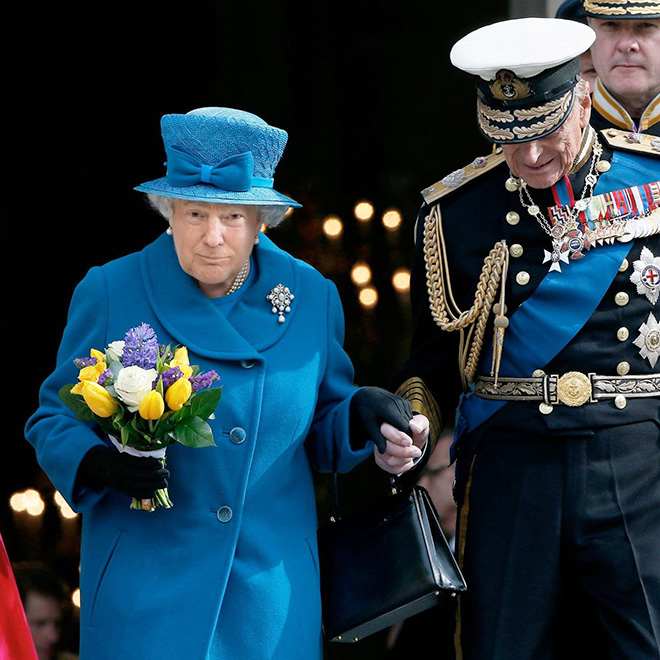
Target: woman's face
x=213, y=241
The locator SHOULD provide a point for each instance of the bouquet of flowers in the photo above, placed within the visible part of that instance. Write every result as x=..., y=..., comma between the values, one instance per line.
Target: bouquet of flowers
x=145, y=396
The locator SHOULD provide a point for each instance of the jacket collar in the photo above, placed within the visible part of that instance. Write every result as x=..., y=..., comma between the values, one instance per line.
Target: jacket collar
x=606, y=105
x=196, y=322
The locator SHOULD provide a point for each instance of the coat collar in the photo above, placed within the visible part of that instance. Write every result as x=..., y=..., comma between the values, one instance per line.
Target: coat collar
x=196, y=322
x=605, y=104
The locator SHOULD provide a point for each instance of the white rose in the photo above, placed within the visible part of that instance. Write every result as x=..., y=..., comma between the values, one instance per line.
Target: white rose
x=133, y=383
x=116, y=350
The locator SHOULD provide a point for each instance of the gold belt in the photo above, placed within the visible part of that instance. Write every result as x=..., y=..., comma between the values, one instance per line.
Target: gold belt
x=571, y=389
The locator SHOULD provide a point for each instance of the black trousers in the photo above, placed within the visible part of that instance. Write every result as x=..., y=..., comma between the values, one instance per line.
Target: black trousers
x=559, y=540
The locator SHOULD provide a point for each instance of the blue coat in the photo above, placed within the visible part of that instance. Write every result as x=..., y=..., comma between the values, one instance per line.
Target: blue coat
x=190, y=582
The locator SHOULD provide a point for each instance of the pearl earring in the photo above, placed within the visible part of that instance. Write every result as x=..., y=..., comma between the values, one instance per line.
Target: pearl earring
x=256, y=240
x=169, y=231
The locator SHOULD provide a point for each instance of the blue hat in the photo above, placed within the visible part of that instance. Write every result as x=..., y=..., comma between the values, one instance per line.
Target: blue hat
x=572, y=10
x=527, y=71
x=220, y=155
x=619, y=9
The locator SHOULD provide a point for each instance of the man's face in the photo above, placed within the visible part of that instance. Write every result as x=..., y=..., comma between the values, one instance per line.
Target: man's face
x=626, y=56
x=543, y=162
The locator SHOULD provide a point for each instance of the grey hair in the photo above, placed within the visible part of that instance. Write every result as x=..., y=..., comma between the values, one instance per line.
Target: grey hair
x=581, y=89
x=268, y=214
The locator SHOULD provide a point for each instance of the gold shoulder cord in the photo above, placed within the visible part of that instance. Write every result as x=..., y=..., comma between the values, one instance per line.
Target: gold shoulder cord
x=472, y=322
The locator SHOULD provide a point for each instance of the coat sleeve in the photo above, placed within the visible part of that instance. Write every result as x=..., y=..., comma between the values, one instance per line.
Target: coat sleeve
x=59, y=439
x=329, y=433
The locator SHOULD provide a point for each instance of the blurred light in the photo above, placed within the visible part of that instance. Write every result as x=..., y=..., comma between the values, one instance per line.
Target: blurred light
x=360, y=273
x=288, y=212
x=65, y=510
x=333, y=226
x=368, y=296
x=391, y=219
x=75, y=597
x=401, y=280
x=29, y=500
x=363, y=211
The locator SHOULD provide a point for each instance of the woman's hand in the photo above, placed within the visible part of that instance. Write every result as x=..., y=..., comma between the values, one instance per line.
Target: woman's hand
x=402, y=449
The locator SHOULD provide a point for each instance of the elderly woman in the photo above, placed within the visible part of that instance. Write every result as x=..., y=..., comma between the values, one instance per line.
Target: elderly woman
x=231, y=570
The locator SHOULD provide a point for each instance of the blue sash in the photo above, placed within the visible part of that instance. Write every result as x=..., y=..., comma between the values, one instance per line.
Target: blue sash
x=563, y=302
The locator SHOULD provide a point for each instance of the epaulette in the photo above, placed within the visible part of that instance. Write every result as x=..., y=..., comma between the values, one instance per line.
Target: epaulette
x=457, y=178
x=641, y=143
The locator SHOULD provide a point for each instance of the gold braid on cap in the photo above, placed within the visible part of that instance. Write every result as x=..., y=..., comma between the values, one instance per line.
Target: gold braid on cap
x=472, y=322
x=622, y=7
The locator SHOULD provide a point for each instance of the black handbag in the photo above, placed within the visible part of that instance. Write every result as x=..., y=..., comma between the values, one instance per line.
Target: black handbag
x=383, y=564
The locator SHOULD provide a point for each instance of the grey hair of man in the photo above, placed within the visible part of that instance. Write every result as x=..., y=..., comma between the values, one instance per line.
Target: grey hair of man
x=269, y=214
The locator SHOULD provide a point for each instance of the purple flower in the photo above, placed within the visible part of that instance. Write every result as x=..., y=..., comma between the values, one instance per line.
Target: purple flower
x=141, y=347
x=105, y=377
x=203, y=380
x=170, y=376
x=85, y=362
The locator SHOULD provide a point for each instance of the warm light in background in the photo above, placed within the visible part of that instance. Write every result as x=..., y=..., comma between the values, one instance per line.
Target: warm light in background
x=360, y=273
x=75, y=597
x=391, y=219
x=401, y=280
x=363, y=211
x=29, y=500
x=332, y=226
x=368, y=296
x=65, y=510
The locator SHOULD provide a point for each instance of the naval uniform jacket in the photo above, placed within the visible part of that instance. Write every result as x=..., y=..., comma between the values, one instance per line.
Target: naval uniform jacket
x=607, y=112
x=476, y=215
x=231, y=571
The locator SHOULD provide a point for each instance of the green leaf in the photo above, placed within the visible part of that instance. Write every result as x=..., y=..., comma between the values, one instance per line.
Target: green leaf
x=204, y=403
x=76, y=403
x=194, y=432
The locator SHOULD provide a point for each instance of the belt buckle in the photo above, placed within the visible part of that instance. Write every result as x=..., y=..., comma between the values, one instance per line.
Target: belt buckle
x=574, y=389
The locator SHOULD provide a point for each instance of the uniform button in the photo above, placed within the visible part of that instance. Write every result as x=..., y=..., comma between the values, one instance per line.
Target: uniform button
x=522, y=278
x=224, y=514
x=512, y=218
x=624, y=266
x=623, y=368
x=546, y=408
x=247, y=364
x=620, y=401
x=621, y=298
x=237, y=435
x=516, y=250
x=622, y=334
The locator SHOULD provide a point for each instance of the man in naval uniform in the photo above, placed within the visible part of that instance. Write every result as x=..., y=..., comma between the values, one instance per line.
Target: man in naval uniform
x=626, y=56
x=534, y=293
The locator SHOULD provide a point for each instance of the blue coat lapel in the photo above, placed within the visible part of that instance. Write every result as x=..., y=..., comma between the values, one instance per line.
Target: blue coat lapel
x=195, y=321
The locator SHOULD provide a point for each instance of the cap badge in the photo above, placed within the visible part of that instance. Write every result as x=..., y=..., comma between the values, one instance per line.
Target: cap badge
x=508, y=87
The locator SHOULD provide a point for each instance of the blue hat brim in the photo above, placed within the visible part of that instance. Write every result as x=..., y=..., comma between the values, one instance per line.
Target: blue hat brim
x=207, y=193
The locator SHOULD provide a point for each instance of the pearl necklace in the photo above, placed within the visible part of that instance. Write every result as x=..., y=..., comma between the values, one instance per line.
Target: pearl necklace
x=239, y=281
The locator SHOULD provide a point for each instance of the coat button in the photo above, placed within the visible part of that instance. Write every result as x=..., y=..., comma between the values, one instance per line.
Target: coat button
x=224, y=514
x=516, y=250
x=621, y=299
x=512, y=218
x=624, y=266
x=522, y=278
x=622, y=334
x=237, y=435
x=247, y=364
x=623, y=368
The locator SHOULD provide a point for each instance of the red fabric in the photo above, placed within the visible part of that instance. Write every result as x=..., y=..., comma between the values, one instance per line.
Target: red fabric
x=15, y=637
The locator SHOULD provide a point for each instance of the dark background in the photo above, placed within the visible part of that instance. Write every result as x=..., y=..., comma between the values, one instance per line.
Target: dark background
x=374, y=111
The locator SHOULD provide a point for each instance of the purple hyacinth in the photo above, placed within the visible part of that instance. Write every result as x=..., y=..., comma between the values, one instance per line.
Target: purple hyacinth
x=141, y=347
x=203, y=380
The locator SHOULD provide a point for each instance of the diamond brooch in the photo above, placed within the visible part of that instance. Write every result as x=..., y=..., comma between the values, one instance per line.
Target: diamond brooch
x=280, y=298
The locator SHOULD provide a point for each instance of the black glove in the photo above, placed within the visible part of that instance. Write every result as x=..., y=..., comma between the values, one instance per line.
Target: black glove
x=136, y=476
x=371, y=406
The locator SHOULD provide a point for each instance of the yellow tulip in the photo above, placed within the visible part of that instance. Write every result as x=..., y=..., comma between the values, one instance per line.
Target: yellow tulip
x=152, y=405
x=181, y=355
x=178, y=393
x=77, y=388
x=98, y=399
x=89, y=373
